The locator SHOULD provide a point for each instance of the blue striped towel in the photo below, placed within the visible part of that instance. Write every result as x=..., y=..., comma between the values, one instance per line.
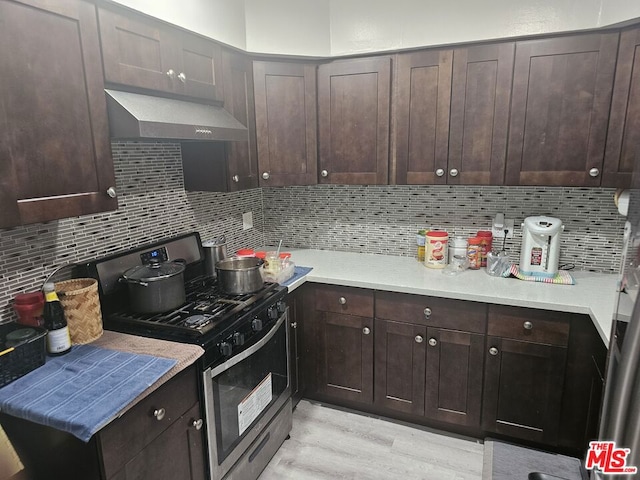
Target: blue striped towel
x=298, y=272
x=82, y=391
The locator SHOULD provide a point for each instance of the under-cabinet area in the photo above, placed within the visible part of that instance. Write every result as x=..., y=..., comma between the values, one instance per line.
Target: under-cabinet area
x=473, y=368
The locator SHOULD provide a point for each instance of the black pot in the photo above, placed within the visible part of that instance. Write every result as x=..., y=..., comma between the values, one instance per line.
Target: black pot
x=156, y=287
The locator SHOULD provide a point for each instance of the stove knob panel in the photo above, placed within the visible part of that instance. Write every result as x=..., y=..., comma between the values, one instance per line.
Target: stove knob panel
x=226, y=349
x=238, y=339
x=272, y=313
x=282, y=306
x=256, y=324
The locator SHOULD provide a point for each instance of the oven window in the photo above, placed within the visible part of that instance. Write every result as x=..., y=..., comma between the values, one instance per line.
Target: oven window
x=243, y=393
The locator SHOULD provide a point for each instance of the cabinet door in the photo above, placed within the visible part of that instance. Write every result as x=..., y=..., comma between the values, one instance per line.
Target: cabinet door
x=54, y=139
x=400, y=366
x=200, y=64
x=560, y=108
x=623, y=138
x=454, y=376
x=345, y=357
x=176, y=453
x=480, y=96
x=242, y=157
x=523, y=389
x=353, y=112
x=423, y=98
x=285, y=99
x=138, y=52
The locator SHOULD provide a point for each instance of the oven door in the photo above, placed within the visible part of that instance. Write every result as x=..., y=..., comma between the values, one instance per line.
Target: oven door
x=244, y=394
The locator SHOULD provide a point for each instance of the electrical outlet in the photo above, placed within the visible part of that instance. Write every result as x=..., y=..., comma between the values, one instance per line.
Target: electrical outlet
x=247, y=220
x=499, y=232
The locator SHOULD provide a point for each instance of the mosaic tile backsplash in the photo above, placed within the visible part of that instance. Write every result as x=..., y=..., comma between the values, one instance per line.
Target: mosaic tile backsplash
x=368, y=219
x=384, y=219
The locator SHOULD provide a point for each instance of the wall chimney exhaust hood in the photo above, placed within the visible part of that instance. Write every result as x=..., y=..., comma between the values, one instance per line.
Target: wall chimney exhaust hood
x=135, y=116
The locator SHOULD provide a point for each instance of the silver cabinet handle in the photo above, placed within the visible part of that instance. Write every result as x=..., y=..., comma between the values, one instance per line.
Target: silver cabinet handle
x=419, y=339
x=265, y=175
x=433, y=342
x=294, y=324
x=324, y=173
x=159, y=413
x=197, y=424
x=171, y=74
x=439, y=172
x=527, y=325
x=427, y=312
x=453, y=172
x=594, y=172
x=342, y=301
x=493, y=351
x=366, y=330
x=111, y=192
x=182, y=77
x=235, y=178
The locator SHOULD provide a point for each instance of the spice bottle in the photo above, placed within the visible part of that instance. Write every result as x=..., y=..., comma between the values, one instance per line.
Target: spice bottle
x=436, y=243
x=486, y=239
x=420, y=239
x=474, y=252
x=58, y=338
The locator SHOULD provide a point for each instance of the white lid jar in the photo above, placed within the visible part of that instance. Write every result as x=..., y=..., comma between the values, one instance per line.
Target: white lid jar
x=457, y=246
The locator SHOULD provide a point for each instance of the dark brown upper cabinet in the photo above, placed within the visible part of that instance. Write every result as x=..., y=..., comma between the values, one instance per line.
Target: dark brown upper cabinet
x=623, y=139
x=54, y=138
x=422, y=105
x=354, y=116
x=559, y=110
x=285, y=108
x=140, y=52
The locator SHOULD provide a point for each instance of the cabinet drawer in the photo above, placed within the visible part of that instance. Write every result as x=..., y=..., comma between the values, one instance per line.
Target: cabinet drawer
x=431, y=311
x=538, y=326
x=126, y=436
x=347, y=300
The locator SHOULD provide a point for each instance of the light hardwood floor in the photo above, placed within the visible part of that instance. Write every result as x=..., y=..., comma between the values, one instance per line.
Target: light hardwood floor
x=329, y=443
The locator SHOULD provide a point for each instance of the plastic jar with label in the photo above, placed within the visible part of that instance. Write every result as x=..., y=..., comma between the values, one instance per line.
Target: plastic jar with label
x=486, y=240
x=436, y=244
x=457, y=246
x=474, y=253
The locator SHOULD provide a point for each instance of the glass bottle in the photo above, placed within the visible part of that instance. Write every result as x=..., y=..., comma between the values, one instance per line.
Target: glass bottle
x=58, y=338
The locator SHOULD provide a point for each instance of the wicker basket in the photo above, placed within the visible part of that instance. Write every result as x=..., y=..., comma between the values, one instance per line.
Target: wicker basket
x=81, y=303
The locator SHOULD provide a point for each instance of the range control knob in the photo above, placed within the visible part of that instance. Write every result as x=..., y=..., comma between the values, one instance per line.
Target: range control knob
x=226, y=349
x=282, y=306
x=272, y=313
x=256, y=324
x=238, y=339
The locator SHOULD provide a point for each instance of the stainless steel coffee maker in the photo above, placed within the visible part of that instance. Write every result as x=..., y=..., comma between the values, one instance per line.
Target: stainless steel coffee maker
x=214, y=251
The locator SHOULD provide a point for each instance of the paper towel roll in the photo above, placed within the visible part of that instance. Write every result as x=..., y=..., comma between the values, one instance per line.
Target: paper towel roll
x=621, y=199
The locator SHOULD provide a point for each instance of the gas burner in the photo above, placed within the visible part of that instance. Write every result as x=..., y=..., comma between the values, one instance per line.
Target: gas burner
x=196, y=321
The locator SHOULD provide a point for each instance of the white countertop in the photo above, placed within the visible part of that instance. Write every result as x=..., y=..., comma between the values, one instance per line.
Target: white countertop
x=594, y=294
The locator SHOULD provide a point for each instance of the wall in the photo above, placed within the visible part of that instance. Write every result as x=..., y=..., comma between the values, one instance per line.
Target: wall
x=384, y=219
x=152, y=205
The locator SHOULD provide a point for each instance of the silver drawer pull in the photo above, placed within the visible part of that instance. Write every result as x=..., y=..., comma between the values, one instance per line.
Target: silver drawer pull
x=433, y=342
x=342, y=301
x=197, y=424
x=453, y=172
x=427, y=312
x=419, y=339
x=594, y=172
x=493, y=351
x=266, y=175
x=527, y=325
x=324, y=173
x=235, y=178
x=159, y=413
x=366, y=330
x=439, y=172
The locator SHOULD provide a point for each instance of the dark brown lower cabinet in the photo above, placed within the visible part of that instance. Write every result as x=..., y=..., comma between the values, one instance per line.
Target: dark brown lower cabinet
x=345, y=354
x=454, y=376
x=400, y=366
x=523, y=389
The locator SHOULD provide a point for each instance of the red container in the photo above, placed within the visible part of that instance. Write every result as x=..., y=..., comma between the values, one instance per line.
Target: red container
x=486, y=240
x=29, y=308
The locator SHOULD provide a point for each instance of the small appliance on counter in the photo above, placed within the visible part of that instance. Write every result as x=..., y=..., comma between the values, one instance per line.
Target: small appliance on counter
x=540, y=246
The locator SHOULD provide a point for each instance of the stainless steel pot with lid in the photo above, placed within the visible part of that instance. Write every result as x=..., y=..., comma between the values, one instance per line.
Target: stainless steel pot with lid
x=155, y=287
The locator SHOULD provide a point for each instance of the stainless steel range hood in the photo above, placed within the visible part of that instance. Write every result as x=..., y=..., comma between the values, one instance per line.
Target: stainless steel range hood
x=133, y=116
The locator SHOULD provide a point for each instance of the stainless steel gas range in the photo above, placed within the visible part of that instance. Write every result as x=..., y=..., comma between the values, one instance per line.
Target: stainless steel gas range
x=245, y=379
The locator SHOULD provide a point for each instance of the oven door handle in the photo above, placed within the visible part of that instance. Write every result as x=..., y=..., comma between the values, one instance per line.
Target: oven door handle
x=251, y=350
